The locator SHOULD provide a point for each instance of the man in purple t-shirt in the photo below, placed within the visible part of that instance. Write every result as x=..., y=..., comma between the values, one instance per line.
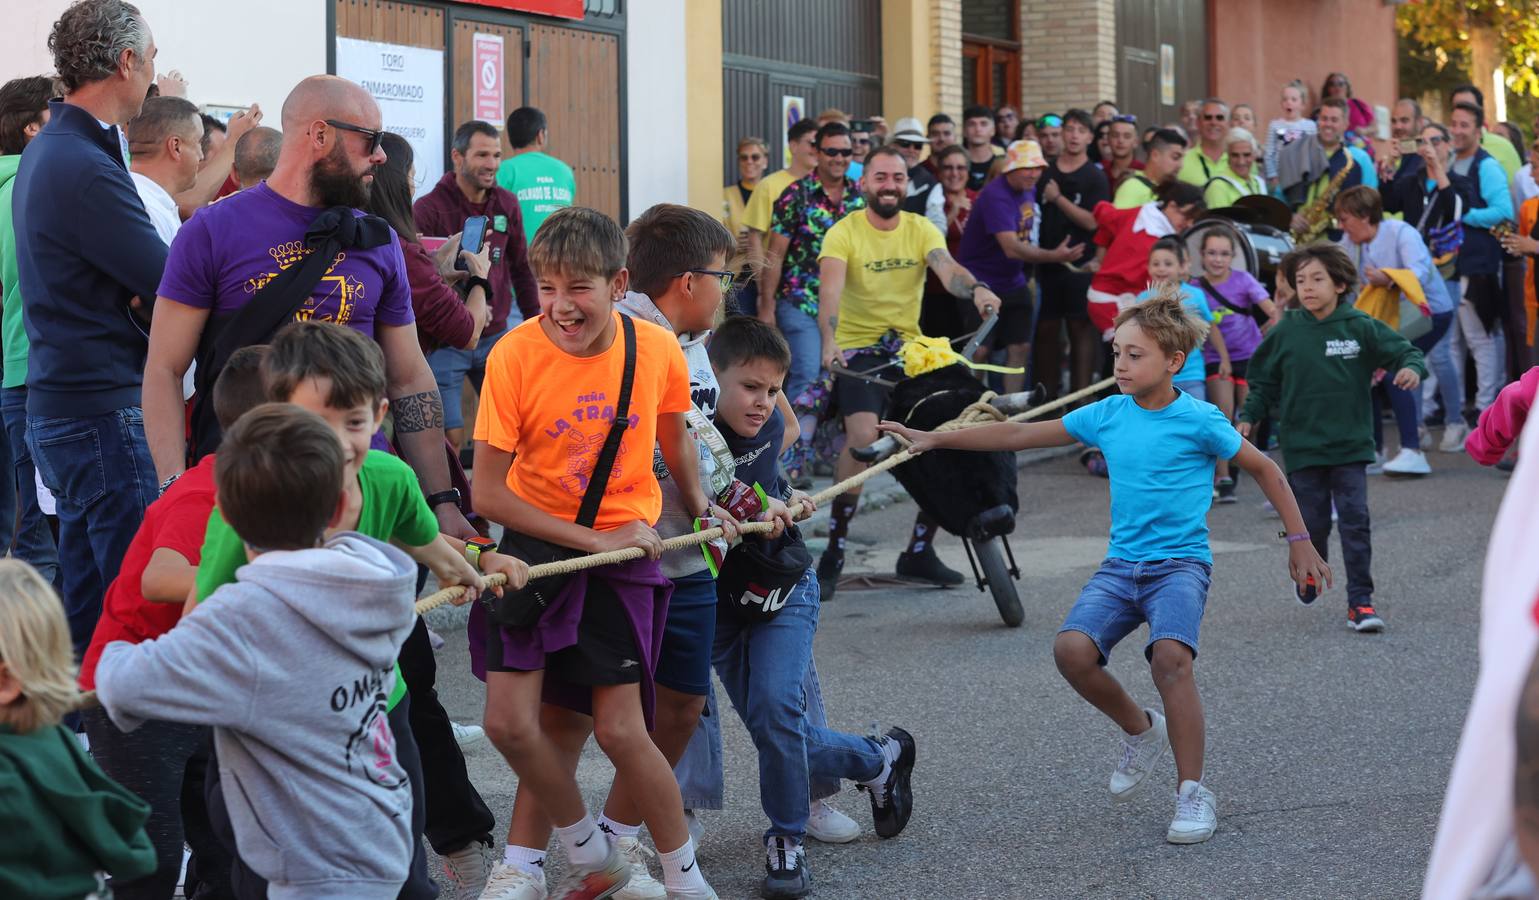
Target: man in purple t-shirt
x=997, y=243
x=229, y=250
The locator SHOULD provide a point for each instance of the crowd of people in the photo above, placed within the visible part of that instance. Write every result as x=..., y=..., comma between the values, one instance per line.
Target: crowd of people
x=236, y=359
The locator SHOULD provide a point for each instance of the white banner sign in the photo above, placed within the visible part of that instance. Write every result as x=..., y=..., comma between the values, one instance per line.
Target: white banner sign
x=408, y=85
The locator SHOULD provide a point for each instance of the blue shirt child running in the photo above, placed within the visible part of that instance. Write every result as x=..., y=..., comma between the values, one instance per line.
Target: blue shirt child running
x=1161, y=467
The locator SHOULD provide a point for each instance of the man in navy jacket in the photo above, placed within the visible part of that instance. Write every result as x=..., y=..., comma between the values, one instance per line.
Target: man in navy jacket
x=89, y=262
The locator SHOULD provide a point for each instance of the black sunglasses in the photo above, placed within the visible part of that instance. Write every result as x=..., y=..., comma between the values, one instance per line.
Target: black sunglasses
x=1214, y=117
x=837, y=151
x=909, y=145
x=375, y=137
x=726, y=278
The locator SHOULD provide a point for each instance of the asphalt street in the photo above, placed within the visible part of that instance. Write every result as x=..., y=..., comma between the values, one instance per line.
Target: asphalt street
x=1328, y=750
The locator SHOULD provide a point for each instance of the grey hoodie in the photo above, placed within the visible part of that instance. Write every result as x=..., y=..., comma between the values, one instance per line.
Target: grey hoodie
x=704, y=391
x=291, y=664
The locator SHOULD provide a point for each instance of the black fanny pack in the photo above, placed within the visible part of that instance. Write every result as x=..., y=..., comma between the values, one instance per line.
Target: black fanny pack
x=758, y=575
x=524, y=607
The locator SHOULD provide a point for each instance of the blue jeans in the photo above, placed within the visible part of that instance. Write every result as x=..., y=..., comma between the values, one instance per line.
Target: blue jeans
x=1407, y=404
x=1440, y=362
x=451, y=366
x=34, y=540
x=1169, y=594
x=763, y=665
x=801, y=332
x=102, y=478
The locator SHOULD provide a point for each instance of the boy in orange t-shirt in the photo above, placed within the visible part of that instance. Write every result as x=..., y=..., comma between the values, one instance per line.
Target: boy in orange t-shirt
x=547, y=404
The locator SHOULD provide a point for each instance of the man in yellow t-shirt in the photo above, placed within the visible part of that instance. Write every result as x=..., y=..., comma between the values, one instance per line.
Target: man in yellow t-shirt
x=801, y=140
x=871, y=272
x=1166, y=149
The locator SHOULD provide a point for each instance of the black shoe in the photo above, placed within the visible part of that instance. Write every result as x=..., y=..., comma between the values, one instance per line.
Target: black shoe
x=1308, y=593
x=926, y=566
x=1226, y=491
x=786, y=876
x=892, y=802
x=1363, y=618
x=829, y=566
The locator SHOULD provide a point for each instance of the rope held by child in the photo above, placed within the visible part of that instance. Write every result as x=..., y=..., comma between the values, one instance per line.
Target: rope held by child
x=979, y=413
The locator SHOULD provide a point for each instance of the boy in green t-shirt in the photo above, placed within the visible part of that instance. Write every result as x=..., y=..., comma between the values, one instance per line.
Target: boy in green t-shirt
x=542, y=183
x=337, y=373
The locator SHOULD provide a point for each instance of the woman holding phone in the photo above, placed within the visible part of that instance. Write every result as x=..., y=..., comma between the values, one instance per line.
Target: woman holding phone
x=444, y=318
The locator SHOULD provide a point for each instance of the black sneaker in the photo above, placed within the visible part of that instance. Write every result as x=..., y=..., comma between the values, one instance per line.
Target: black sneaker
x=830, y=564
x=1308, y=593
x=892, y=801
x=1226, y=491
x=926, y=566
x=785, y=868
x=1363, y=618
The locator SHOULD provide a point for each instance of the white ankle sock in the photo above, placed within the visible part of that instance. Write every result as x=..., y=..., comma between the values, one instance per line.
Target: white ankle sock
x=890, y=750
x=681, y=871
x=618, y=829
x=584, y=844
x=526, y=859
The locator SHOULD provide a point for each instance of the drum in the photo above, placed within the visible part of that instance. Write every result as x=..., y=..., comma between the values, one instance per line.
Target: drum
x=1258, y=248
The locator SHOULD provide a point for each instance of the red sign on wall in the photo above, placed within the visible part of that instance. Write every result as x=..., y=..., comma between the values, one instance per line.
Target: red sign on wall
x=488, y=72
x=566, y=9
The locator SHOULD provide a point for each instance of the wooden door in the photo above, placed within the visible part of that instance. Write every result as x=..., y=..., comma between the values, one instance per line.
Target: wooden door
x=463, y=70
x=573, y=78
x=391, y=23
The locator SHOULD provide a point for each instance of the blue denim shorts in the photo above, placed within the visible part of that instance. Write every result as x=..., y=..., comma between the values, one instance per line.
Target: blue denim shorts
x=1169, y=594
x=684, y=663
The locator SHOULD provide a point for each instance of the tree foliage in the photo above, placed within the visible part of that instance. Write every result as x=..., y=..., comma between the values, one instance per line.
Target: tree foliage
x=1440, y=32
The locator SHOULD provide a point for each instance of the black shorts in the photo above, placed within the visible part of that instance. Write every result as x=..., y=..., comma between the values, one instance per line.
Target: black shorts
x=1064, y=293
x=1236, y=369
x=1016, y=313
x=605, y=652
x=855, y=395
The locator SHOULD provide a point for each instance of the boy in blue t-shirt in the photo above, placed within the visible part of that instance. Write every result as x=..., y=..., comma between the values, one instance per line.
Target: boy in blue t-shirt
x=1161, y=446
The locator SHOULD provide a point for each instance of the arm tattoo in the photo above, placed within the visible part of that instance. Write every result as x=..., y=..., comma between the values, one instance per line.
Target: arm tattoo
x=418, y=412
x=960, y=281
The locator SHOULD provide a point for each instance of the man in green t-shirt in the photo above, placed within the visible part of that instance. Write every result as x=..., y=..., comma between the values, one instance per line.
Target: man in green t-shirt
x=542, y=183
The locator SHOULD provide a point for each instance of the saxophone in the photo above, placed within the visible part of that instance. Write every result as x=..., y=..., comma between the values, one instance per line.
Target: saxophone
x=1317, y=212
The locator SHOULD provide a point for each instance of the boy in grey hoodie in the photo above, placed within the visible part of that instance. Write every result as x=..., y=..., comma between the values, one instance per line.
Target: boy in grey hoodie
x=291, y=665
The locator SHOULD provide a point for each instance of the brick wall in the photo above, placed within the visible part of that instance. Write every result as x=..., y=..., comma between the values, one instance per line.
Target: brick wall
x=946, y=54
x=1068, y=54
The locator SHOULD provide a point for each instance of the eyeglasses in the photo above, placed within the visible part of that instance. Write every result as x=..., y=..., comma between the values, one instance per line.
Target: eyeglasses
x=725, y=278
x=750, y=157
x=1050, y=121
x=1214, y=117
x=909, y=145
x=375, y=137
x=837, y=151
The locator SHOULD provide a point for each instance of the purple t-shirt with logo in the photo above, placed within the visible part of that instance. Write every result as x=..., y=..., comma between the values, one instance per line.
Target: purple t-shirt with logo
x=229, y=250
x=997, y=208
x=1241, y=333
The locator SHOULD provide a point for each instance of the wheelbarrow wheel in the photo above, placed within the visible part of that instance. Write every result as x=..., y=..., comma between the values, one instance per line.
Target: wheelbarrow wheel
x=996, y=575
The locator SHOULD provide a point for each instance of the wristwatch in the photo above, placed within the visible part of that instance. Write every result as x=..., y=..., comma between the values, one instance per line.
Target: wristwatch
x=474, y=280
x=452, y=495
x=476, y=546
x=166, y=485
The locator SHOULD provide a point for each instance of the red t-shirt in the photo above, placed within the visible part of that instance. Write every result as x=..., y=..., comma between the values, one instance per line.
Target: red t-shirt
x=177, y=521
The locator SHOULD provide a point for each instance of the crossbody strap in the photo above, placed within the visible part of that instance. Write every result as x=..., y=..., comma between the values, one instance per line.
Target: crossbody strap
x=587, y=514
x=1212, y=291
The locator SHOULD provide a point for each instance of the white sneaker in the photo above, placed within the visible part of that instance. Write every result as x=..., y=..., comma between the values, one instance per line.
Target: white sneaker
x=1377, y=466
x=1140, y=754
x=696, y=827
x=465, y=735
x=829, y=825
x=708, y=894
x=1408, y=463
x=1453, y=438
x=467, y=871
x=642, y=885
x=512, y=883
x=1196, y=815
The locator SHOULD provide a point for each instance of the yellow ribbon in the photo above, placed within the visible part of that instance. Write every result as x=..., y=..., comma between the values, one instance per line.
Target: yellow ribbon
x=926, y=354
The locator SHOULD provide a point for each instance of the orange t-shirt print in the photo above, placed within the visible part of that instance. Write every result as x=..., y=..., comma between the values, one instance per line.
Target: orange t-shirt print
x=552, y=411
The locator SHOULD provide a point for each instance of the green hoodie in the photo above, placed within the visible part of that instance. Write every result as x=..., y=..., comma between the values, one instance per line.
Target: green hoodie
x=13, y=337
x=63, y=820
x=1318, y=374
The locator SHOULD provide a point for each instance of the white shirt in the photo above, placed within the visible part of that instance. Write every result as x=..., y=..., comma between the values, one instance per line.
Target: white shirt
x=164, y=215
x=1524, y=186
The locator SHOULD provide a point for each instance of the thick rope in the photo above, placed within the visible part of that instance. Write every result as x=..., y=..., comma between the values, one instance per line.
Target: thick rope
x=979, y=413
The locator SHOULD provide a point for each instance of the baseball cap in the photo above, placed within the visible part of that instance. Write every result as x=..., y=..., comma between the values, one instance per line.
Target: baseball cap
x=1024, y=155
x=908, y=129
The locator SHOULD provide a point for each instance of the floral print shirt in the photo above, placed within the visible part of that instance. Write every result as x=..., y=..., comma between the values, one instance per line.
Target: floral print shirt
x=804, y=212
